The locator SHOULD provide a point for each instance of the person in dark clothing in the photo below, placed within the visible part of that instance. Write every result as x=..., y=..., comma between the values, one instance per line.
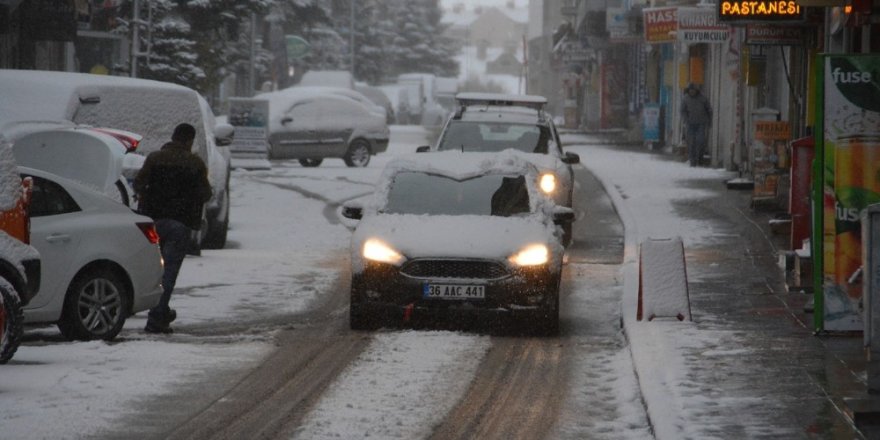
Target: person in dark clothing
x=697, y=116
x=172, y=188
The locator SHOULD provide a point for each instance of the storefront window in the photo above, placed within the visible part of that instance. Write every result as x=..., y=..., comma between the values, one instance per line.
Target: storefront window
x=98, y=53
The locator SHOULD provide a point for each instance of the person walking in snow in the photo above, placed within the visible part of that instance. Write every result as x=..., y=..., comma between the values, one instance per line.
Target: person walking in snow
x=172, y=188
x=697, y=116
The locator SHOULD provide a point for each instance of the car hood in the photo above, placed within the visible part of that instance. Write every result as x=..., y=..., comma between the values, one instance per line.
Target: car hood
x=469, y=236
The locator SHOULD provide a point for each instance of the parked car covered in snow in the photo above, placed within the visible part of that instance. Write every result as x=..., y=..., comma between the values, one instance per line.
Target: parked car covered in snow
x=313, y=124
x=423, y=109
x=327, y=78
x=20, y=264
x=378, y=97
x=348, y=93
x=149, y=108
x=100, y=260
x=457, y=232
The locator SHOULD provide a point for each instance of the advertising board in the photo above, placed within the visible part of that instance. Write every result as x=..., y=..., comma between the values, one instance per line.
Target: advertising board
x=250, y=117
x=848, y=146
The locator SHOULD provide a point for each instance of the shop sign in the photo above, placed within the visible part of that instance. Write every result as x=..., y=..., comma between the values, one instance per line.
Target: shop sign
x=848, y=151
x=700, y=25
x=297, y=47
x=660, y=24
x=618, y=25
x=575, y=52
x=759, y=10
x=770, y=35
x=772, y=130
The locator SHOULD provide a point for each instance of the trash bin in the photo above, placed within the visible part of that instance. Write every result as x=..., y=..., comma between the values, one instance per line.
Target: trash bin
x=802, y=152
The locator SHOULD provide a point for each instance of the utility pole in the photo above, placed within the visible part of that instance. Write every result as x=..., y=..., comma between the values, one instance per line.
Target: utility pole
x=252, y=81
x=136, y=24
x=135, y=37
x=351, y=36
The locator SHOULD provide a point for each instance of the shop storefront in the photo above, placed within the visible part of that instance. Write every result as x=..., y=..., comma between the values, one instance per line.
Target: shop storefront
x=687, y=45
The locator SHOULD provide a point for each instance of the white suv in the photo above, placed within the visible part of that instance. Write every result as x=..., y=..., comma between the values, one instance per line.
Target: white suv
x=492, y=122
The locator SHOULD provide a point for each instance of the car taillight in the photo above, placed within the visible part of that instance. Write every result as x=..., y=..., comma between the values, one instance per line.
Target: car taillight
x=149, y=230
x=131, y=146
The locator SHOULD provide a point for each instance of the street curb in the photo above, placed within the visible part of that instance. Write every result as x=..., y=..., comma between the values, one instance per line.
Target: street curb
x=657, y=397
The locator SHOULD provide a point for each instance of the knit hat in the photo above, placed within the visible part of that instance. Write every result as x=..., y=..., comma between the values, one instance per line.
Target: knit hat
x=184, y=133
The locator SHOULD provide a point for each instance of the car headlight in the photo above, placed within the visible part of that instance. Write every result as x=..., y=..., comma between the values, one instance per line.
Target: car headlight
x=376, y=250
x=531, y=255
x=547, y=182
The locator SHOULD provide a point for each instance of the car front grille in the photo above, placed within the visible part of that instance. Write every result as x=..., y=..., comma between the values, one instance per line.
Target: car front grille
x=469, y=269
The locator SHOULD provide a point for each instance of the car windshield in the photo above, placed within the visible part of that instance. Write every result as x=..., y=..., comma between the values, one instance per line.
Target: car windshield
x=494, y=136
x=422, y=193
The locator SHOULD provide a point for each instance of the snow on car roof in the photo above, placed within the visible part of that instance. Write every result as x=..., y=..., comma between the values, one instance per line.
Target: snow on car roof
x=509, y=115
x=459, y=166
x=501, y=99
x=332, y=78
x=10, y=182
x=280, y=100
x=32, y=95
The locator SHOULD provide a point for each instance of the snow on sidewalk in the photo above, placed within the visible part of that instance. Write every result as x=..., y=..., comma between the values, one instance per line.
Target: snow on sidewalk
x=644, y=188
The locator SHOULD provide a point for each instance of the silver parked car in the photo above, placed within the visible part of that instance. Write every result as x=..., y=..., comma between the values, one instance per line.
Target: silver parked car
x=311, y=125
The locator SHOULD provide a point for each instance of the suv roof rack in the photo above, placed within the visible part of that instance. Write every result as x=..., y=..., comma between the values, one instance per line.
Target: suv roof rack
x=502, y=100
x=467, y=99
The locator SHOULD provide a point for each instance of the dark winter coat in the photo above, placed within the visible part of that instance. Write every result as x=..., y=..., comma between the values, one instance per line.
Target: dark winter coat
x=173, y=184
x=696, y=109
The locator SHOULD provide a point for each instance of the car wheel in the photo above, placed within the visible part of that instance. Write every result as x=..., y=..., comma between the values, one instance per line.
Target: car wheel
x=310, y=163
x=547, y=319
x=215, y=238
x=358, y=154
x=360, y=319
x=11, y=320
x=95, y=307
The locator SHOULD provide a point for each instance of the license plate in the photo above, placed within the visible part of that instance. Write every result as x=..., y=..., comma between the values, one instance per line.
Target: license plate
x=453, y=291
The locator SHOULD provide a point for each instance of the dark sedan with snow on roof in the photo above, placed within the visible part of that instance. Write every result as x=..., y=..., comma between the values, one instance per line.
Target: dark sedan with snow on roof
x=457, y=232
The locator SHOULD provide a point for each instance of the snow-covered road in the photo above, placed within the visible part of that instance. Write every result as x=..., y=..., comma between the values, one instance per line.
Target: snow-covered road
x=285, y=257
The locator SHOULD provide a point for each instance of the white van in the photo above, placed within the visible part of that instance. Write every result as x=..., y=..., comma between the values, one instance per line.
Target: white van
x=149, y=108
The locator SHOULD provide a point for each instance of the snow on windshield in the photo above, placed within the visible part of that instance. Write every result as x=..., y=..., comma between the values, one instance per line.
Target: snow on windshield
x=419, y=193
x=460, y=167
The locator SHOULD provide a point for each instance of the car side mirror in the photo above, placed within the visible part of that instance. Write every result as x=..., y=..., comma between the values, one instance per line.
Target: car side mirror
x=224, y=134
x=562, y=215
x=354, y=212
x=286, y=120
x=571, y=158
x=423, y=149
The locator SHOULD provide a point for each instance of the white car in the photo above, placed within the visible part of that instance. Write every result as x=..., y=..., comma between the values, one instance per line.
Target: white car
x=457, y=232
x=149, y=108
x=103, y=159
x=491, y=122
x=100, y=260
